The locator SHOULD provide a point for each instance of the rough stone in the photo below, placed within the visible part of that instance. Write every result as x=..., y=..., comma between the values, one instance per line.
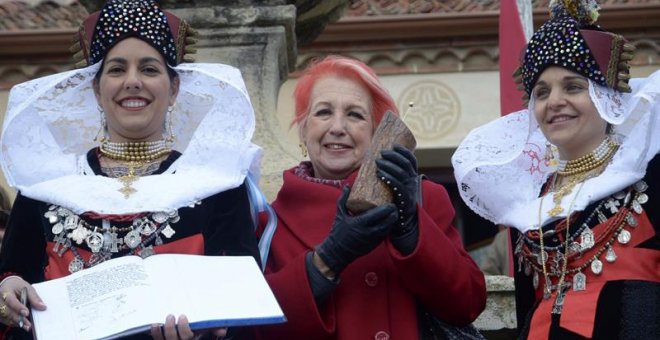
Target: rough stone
x=500, y=312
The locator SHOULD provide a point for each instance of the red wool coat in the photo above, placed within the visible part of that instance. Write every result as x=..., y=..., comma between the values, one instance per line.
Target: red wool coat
x=377, y=294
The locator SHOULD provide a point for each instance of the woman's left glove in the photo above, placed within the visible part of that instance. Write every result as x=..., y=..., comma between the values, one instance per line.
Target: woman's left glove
x=398, y=169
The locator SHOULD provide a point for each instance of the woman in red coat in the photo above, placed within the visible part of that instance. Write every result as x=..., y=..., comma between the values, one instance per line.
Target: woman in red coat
x=339, y=276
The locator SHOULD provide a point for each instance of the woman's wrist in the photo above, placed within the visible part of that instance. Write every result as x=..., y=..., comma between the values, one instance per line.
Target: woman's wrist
x=322, y=267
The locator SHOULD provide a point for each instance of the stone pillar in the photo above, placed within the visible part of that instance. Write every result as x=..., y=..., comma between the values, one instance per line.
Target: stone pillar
x=498, y=320
x=260, y=40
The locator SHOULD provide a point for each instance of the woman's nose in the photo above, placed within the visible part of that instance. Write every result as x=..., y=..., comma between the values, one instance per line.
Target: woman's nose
x=133, y=81
x=338, y=125
x=556, y=99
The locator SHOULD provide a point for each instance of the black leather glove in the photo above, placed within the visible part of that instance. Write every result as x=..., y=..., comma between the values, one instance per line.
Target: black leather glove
x=398, y=169
x=354, y=236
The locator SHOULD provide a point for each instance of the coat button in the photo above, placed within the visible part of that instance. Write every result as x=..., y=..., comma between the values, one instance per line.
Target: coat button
x=382, y=335
x=371, y=279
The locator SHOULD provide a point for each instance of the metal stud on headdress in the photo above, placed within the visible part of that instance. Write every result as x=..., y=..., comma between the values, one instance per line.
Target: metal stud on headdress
x=570, y=39
x=143, y=19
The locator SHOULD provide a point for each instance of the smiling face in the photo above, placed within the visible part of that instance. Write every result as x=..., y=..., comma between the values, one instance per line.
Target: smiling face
x=134, y=90
x=338, y=127
x=566, y=114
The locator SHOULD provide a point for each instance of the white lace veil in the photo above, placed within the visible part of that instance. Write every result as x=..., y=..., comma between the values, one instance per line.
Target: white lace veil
x=500, y=166
x=51, y=123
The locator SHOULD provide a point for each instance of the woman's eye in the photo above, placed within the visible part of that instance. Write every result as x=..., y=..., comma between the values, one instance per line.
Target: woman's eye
x=114, y=70
x=322, y=112
x=356, y=114
x=151, y=70
x=574, y=88
x=541, y=93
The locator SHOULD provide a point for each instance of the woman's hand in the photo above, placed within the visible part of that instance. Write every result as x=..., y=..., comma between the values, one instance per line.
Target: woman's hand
x=398, y=169
x=12, y=312
x=354, y=236
x=180, y=330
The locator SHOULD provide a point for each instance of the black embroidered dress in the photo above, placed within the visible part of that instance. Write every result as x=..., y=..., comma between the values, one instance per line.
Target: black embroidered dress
x=217, y=225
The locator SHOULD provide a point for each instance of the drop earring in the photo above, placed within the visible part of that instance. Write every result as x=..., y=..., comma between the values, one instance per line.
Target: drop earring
x=169, y=132
x=103, y=127
x=303, y=149
x=549, y=155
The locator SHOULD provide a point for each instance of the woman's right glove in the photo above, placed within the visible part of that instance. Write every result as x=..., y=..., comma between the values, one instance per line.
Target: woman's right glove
x=354, y=236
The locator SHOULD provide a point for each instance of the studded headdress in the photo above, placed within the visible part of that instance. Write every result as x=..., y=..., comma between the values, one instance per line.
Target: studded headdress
x=572, y=40
x=143, y=19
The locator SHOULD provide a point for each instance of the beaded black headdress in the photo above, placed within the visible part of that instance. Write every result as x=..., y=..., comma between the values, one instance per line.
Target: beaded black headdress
x=143, y=19
x=570, y=39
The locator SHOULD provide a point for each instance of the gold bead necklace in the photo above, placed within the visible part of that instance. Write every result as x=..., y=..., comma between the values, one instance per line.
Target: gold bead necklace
x=590, y=161
x=579, y=169
x=135, y=151
x=136, y=154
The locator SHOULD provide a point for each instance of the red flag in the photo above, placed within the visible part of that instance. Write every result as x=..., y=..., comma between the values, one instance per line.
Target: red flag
x=512, y=43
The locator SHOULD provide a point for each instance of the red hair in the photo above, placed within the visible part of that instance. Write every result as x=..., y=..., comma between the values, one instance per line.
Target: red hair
x=342, y=67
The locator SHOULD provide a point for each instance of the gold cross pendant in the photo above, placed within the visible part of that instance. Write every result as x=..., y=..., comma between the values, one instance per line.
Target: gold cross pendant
x=128, y=180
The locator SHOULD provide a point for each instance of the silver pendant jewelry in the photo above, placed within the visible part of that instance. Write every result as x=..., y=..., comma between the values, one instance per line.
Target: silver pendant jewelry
x=104, y=241
x=611, y=255
x=60, y=241
x=547, y=289
x=596, y=267
x=168, y=231
x=57, y=228
x=613, y=205
x=51, y=215
x=558, y=305
x=97, y=258
x=71, y=222
x=160, y=217
x=574, y=248
x=79, y=234
x=147, y=228
x=579, y=282
x=132, y=239
x=535, y=280
x=587, y=239
x=631, y=220
x=75, y=265
x=518, y=248
x=623, y=237
x=619, y=195
x=111, y=242
x=146, y=252
x=94, y=241
x=174, y=216
x=642, y=198
x=640, y=186
x=636, y=207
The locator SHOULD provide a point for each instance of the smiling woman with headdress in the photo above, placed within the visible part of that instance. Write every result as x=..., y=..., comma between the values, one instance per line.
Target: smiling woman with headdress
x=586, y=229
x=133, y=193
